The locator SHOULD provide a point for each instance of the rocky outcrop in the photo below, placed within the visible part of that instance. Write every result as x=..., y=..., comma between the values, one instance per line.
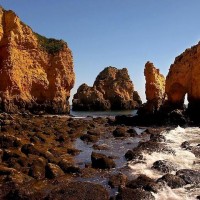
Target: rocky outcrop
x=155, y=89
x=184, y=78
x=112, y=89
x=36, y=73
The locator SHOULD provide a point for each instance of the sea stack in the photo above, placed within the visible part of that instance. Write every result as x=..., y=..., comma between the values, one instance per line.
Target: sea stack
x=112, y=90
x=36, y=73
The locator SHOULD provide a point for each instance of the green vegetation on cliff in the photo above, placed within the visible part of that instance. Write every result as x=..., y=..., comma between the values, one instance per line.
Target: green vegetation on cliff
x=50, y=45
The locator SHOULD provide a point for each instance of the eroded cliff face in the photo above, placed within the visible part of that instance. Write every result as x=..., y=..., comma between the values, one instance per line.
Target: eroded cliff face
x=155, y=82
x=36, y=73
x=112, y=89
x=155, y=89
x=184, y=77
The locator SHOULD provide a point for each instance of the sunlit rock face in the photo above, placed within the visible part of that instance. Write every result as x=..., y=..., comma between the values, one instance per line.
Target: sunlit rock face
x=36, y=73
x=184, y=78
x=155, y=88
x=112, y=90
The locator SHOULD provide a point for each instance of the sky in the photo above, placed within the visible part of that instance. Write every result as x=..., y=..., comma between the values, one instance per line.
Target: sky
x=118, y=33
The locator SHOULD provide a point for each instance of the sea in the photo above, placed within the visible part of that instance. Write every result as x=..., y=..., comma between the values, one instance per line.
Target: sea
x=182, y=158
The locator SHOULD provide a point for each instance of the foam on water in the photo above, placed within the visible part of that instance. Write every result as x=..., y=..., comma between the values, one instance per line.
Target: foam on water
x=183, y=159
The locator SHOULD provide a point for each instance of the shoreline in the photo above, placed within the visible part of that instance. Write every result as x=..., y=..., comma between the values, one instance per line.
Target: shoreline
x=43, y=150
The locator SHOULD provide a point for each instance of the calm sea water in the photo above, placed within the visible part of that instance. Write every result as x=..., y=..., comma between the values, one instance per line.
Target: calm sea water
x=102, y=113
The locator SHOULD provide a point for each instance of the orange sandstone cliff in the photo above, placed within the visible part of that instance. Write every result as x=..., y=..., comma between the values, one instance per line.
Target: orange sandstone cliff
x=155, y=89
x=36, y=73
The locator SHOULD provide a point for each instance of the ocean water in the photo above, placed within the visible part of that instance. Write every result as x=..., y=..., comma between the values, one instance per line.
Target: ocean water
x=102, y=113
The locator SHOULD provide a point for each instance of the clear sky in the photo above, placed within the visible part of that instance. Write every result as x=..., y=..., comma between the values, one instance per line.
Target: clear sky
x=119, y=33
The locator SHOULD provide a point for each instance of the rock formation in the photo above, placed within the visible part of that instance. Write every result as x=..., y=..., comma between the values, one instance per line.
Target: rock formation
x=155, y=88
x=36, y=73
x=184, y=78
x=112, y=89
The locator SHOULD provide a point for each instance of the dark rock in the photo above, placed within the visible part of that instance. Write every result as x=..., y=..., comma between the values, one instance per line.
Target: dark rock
x=68, y=167
x=53, y=171
x=164, y=166
x=189, y=176
x=133, y=155
x=145, y=183
x=132, y=132
x=7, y=141
x=101, y=161
x=137, y=98
x=73, y=151
x=196, y=151
x=185, y=145
x=96, y=133
x=100, y=147
x=79, y=191
x=117, y=180
x=177, y=117
x=89, y=138
x=172, y=181
x=157, y=138
x=155, y=147
x=30, y=149
x=37, y=169
x=119, y=132
x=134, y=194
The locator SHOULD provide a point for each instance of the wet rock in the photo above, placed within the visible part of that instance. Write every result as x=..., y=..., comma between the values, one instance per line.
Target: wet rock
x=6, y=170
x=119, y=132
x=31, y=191
x=172, y=181
x=196, y=151
x=133, y=155
x=101, y=161
x=73, y=151
x=89, y=138
x=144, y=182
x=134, y=194
x=100, y=147
x=155, y=147
x=68, y=167
x=157, y=138
x=189, y=176
x=30, y=149
x=164, y=166
x=177, y=117
x=185, y=145
x=7, y=141
x=37, y=169
x=132, y=132
x=93, y=132
x=117, y=180
x=53, y=171
x=79, y=191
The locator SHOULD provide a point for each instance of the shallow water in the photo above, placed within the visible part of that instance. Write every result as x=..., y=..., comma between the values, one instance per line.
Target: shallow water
x=102, y=113
x=184, y=159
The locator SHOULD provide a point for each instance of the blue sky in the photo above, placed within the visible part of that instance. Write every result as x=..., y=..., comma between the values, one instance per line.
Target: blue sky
x=119, y=33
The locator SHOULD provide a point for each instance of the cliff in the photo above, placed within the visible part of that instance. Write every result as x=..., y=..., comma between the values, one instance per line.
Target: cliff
x=112, y=90
x=184, y=78
x=36, y=73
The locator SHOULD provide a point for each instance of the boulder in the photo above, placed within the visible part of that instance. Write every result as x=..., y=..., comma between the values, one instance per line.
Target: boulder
x=164, y=166
x=53, y=171
x=117, y=180
x=101, y=161
x=112, y=90
x=172, y=181
x=36, y=73
x=134, y=194
x=189, y=176
x=144, y=182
